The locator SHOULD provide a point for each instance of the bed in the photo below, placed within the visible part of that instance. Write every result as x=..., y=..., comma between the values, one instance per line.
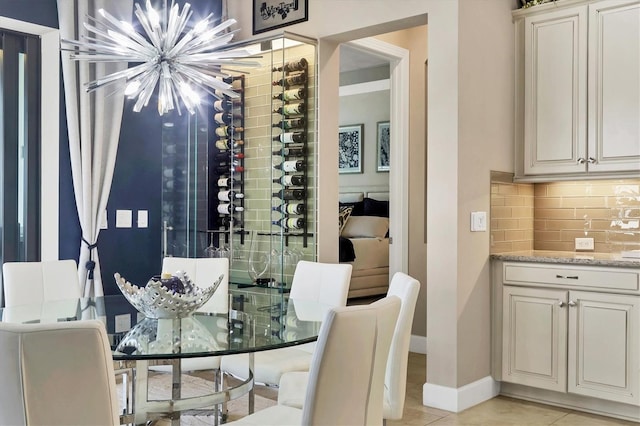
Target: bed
x=364, y=241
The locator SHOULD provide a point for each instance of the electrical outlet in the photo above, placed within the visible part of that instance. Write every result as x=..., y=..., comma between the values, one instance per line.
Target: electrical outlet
x=584, y=244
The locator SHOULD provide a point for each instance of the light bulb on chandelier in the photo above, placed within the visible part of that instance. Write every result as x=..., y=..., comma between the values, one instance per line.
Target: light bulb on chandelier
x=180, y=63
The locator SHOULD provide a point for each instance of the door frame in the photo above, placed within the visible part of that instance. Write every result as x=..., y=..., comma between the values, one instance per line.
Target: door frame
x=399, y=130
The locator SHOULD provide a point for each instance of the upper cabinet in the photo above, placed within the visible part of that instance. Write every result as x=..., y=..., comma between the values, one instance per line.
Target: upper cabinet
x=578, y=90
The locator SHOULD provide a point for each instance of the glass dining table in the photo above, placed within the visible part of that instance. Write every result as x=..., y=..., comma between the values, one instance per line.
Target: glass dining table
x=138, y=342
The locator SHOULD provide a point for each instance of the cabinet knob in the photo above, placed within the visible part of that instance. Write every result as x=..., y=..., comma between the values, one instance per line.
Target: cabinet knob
x=572, y=303
x=581, y=160
x=561, y=304
x=592, y=160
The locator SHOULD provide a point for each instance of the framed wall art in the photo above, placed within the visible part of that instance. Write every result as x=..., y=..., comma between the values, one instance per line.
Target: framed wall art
x=271, y=14
x=384, y=146
x=350, y=148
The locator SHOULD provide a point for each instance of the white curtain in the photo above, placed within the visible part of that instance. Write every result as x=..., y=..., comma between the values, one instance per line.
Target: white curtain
x=94, y=130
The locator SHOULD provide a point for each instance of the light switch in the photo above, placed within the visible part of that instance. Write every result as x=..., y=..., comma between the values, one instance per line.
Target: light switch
x=143, y=218
x=123, y=218
x=478, y=221
x=122, y=323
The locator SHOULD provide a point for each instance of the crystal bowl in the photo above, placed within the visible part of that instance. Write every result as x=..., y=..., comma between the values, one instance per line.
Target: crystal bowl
x=156, y=301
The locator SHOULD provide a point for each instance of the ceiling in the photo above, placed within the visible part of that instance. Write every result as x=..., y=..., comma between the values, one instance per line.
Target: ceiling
x=352, y=59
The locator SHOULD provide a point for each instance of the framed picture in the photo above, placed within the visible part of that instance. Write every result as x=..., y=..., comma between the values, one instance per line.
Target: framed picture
x=384, y=146
x=350, y=149
x=271, y=14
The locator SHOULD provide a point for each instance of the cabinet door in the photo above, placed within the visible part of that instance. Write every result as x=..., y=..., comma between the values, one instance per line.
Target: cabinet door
x=555, y=94
x=534, y=337
x=614, y=86
x=604, y=355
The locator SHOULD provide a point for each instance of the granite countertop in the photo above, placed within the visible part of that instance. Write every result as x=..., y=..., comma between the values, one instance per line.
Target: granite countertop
x=568, y=257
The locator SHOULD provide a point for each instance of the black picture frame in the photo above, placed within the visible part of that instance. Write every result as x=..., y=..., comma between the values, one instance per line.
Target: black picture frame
x=271, y=14
x=350, y=145
x=383, y=146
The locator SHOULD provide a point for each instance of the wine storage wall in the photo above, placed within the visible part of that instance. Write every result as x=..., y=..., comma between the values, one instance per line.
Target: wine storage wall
x=226, y=166
x=290, y=83
x=260, y=125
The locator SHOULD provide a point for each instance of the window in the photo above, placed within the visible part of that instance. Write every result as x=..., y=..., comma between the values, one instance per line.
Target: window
x=19, y=147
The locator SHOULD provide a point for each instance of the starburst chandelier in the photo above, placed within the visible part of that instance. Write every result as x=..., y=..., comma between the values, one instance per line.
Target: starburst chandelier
x=181, y=62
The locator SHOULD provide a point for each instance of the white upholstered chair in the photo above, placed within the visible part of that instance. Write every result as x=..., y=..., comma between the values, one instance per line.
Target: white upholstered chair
x=327, y=283
x=203, y=272
x=57, y=374
x=349, y=360
x=292, y=385
x=27, y=284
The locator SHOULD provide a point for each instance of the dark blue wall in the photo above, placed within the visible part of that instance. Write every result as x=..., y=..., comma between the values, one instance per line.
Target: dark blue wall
x=135, y=253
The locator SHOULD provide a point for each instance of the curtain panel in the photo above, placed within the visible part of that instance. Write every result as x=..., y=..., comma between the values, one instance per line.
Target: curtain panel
x=93, y=120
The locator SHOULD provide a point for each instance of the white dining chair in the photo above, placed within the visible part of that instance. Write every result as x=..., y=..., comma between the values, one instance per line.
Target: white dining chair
x=325, y=283
x=57, y=374
x=27, y=285
x=292, y=385
x=37, y=282
x=349, y=360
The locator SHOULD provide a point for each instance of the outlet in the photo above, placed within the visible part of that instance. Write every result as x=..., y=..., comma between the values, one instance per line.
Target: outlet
x=584, y=244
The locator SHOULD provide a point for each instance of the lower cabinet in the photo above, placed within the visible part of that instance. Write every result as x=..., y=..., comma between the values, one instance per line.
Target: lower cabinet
x=581, y=342
x=568, y=335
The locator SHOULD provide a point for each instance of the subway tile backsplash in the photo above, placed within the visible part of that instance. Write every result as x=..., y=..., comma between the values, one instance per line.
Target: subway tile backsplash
x=551, y=215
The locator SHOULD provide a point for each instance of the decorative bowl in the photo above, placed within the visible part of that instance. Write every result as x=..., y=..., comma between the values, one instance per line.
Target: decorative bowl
x=156, y=301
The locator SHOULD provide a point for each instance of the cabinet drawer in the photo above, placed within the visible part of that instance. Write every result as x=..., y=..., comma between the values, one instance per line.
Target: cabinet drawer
x=570, y=276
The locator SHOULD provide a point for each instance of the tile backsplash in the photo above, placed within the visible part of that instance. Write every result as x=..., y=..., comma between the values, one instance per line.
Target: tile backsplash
x=549, y=216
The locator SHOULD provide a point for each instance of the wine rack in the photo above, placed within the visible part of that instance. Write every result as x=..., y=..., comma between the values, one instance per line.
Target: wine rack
x=226, y=165
x=291, y=163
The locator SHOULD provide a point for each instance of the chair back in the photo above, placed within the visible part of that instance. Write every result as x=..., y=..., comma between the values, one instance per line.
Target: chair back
x=395, y=383
x=343, y=367
x=327, y=283
x=57, y=374
x=204, y=272
x=37, y=282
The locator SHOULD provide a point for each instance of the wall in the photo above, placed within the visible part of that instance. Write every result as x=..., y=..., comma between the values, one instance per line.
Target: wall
x=470, y=132
x=549, y=216
x=367, y=109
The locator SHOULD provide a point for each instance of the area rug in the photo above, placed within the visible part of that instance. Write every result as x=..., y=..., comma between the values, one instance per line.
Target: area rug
x=194, y=385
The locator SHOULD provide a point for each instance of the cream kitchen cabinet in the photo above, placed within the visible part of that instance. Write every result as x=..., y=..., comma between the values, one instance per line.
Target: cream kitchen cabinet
x=578, y=89
x=573, y=330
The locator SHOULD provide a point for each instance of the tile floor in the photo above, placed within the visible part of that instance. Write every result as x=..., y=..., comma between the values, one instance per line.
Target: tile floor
x=497, y=411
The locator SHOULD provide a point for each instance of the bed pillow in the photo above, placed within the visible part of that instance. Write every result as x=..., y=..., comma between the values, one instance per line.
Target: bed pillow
x=358, y=207
x=343, y=216
x=375, y=208
x=366, y=227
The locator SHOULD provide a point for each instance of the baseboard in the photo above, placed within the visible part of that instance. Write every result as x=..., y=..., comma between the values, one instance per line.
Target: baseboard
x=457, y=400
x=418, y=344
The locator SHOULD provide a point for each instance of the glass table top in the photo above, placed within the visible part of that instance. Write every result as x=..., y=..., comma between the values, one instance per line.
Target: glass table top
x=251, y=326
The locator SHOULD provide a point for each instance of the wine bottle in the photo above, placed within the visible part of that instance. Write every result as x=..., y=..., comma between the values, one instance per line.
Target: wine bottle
x=292, y=94
x=292, y=152
x=223, y=144
x=223, y=131
x=227, y=221
x=290, y=194
x=173, y=173
x=224, y=169
x=225, y=105
x=229, y=195
x=291, y=137
x=228, y=208
x=289, y=124
x=298, y=65
x=291, y=180
x=289, y=222
x=227, y=182
x=291, y=109
x=290, y=208
x=227, y=155
x=291, y=80
x=291, y=166
x=225, y=118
